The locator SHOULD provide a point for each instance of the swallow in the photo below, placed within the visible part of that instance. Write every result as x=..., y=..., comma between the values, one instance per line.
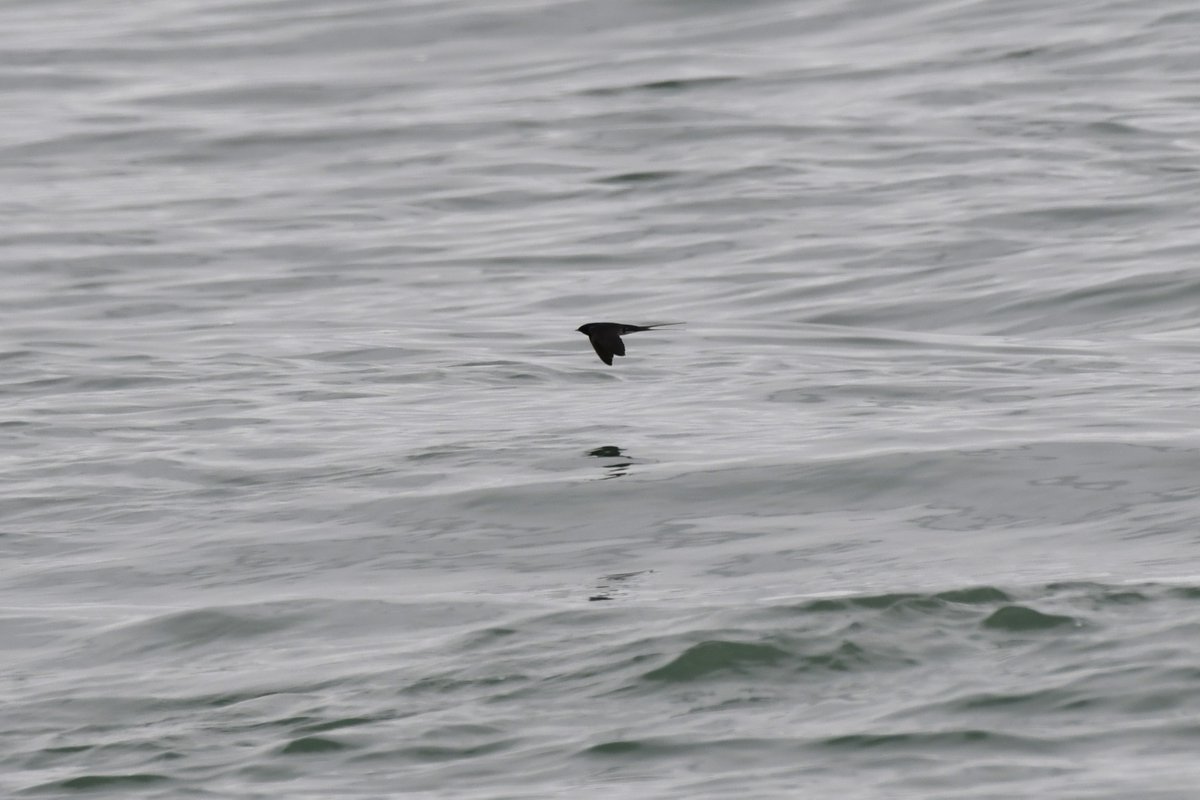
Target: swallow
x=606, y=336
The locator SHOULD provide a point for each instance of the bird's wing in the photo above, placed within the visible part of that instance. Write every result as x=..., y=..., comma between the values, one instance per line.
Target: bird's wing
x=612, y=340
x=604, y=354
x=606, y=343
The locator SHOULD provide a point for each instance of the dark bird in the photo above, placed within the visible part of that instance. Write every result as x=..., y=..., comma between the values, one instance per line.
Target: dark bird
x=606, y=336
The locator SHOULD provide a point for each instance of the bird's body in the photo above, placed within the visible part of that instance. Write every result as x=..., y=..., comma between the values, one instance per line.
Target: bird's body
x=606, y=336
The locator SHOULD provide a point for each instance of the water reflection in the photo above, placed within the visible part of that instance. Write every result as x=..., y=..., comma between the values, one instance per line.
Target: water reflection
x=613, y=470
x=610, y=586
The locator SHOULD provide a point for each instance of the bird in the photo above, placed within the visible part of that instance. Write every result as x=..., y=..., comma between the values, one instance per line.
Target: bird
x=606, y=336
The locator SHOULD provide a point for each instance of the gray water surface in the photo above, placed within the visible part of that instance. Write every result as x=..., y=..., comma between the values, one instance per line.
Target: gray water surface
x=311, y=489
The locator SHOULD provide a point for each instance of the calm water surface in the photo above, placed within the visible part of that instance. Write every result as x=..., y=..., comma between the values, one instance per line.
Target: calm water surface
x=311, y=490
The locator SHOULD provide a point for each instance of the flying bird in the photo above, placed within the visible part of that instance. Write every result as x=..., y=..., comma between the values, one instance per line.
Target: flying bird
x=606, y=336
